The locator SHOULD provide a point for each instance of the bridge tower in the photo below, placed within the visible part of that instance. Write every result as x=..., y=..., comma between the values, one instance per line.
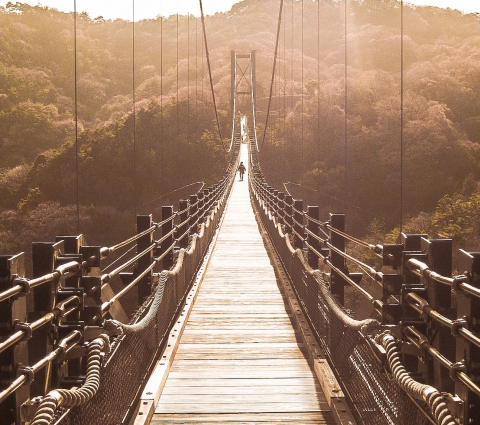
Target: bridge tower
x=243, y=83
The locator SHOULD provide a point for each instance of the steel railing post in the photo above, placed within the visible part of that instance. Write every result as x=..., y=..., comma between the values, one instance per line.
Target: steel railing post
x=299, y=232
x=167, y=262
x=182, y=230
x=313, y=212
x=337, y=284
x=144, y=286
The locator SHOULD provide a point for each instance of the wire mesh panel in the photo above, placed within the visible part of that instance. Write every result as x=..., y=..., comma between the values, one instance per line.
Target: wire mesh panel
x=134, y=355
x=375, y=398
x=130, y=361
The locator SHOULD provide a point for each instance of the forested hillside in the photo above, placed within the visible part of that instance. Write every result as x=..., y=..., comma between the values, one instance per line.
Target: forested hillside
x=176, y=142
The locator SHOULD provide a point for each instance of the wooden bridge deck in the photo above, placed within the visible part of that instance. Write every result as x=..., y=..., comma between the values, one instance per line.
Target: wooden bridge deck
x=238, y=360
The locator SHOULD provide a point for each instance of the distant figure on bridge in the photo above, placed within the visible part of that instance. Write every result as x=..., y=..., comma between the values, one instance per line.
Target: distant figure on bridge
x=241, y=170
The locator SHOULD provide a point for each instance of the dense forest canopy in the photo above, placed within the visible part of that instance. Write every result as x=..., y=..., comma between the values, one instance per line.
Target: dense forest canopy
x=171, y=140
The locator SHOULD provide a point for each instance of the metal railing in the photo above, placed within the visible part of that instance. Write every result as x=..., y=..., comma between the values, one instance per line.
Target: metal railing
x=49, y=321
x=433, y=315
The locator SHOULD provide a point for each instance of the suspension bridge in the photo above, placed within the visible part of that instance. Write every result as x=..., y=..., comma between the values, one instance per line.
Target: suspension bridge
x=241, y=315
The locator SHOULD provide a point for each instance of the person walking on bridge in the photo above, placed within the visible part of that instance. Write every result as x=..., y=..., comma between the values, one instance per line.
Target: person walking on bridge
x=241, y=170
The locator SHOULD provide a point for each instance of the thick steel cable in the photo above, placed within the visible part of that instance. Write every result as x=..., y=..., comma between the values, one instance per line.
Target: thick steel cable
x=196, y=77
x=173, y=191
x=427, y=393
x=161, y=97
x=76, y=397
x=188, y=87
x=210, y=74
x=292, y=74
x=401, y=113
x=302, y=165
x=114, y=327
x=284, y=94
x=76, y=111
x=177, y=100
x=345, y=153
x=273, y=72
x=318, y=94
x=134, y=99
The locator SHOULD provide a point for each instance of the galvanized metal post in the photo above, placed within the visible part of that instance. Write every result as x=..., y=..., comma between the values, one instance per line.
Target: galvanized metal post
x=182, y=230
x=44, y=257
x=281, y=207
x=313, y=212
x=200, y=207
x=13, y=313
x=298, y=230
x=144, y=286
x=439, y=259
x=71, y=287
x=275, y=203
x=167, y=262
x=337, y=285
x=206, y=202
x=467, y=310
x=288, y=213
x=193, y=214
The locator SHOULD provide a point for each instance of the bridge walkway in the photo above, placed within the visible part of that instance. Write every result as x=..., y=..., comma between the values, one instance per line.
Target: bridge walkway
x=238, y=360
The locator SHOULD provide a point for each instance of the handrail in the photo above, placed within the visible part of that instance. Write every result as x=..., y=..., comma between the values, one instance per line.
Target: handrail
x=352, y=259
x=25, y=285
x=421, y=341
x=375, y=248
x=137, y=236
x=458, y=327
x=25, y=329
x=108, y=276
x=422, y=270
x=26, y=373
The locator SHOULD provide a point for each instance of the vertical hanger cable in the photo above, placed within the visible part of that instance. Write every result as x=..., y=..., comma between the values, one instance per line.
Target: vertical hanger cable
x=401, y=112
x=134, y=113
x=76, y=112
x=346, y=115
x=302, y=100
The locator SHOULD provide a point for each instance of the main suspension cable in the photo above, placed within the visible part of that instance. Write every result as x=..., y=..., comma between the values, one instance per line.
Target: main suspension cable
x=273, y=72
x=210, y=74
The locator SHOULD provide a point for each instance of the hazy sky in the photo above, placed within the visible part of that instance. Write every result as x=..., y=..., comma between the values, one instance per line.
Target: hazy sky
x=111, y=9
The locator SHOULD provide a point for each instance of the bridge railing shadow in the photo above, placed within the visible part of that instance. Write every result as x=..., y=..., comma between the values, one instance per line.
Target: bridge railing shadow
x=412, y=355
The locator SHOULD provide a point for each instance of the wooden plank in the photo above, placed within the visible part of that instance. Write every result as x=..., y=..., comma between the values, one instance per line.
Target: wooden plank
x=245, y=399
x=290, y=418
x=237, y=354
x=242, y=374
x=246, y=346
x=235, y=407
x=196, y=314
x=287, y=382
x=273, y=363
x=236, y=339
x=271, y=389
x=232, y=333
